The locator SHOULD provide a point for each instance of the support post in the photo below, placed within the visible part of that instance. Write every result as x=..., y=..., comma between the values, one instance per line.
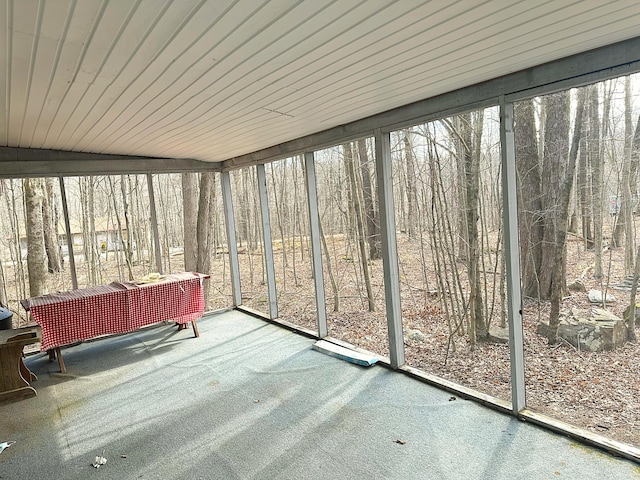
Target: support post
x=154, y=223
x=232, y=243
x=316, y=250
x=389, y=248
x=267, y=242
x=512, y=260
x=67, y=227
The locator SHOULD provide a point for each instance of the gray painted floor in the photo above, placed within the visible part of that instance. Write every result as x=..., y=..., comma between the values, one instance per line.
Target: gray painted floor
x=249, y=400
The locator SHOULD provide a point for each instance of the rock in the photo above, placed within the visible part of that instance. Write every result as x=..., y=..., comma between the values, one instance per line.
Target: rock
x=591, y=330
x=626, y=284
x=596, y=296
x=627, y=313
x=499, y=335
x=414, y=335
x=577, y=286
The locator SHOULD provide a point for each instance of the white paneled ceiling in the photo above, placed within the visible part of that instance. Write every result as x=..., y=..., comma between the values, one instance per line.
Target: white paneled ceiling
x=214, y=79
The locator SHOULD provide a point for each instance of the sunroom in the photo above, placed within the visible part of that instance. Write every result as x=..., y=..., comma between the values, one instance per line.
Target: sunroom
x=446, y=188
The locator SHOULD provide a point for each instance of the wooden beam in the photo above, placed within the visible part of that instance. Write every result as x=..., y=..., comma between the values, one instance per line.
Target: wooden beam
x=33, y=162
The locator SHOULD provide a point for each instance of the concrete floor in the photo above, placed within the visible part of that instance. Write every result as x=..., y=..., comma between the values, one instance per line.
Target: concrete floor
x=250, y=400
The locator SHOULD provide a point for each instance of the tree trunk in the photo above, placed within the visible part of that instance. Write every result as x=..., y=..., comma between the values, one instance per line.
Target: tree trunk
x=278, y=202
x=595, y=159
x=89, y=240
x=359, y=226
x=36, y=255
x=373, y=220
x=127, y=222
x=559, y=246
x=410, y=176
x=631, y=319
x=190, y=218
x=460, y=131
x=332, y=278
x=584, y=197
x=471, y=209
x=626, y=200
x=50, y=225
x=123, y=243
x=530, y=226
x=203, y=226
x=554, y=174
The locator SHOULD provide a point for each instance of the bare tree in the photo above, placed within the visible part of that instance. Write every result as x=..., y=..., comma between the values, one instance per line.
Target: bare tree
x=626, y=203
x=470, y=159
x=190, y=218
x=597, y=179
x=584, y=195
x=204, y=231
x=372, y=218
x=554, y=175
x=410, y=181
x=125, y=243
x=36, y=255
x=359, y=226
x=559, y=245
x=50, y=226
x=530, y=227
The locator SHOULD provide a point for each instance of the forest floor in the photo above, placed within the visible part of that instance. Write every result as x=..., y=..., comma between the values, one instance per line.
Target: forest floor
x=596, y=391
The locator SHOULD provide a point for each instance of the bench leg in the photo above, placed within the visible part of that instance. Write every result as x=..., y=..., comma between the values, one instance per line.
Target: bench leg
x=13, y=384
x=27, y=374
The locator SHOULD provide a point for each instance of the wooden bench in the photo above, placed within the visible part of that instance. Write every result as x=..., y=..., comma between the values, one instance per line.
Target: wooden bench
x=15, y=377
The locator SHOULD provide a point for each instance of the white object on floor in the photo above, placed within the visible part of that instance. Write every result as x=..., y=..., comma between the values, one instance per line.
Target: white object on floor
x=4, y=445
x=344, y=353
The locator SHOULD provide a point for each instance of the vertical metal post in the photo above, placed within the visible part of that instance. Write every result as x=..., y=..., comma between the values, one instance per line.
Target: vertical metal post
x=316, y=250
x=512, y=255
x=389, y=248
x=232, y=243
x=154, y=223
x=267, y=242
x=67, y=226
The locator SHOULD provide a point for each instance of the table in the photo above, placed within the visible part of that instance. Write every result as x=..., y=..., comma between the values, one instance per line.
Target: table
x=15, y=377
x=120, y=307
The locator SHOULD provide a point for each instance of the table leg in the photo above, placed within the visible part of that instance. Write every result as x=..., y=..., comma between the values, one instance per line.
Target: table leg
x=53, y=352
x=195, y=328
x=63, y=369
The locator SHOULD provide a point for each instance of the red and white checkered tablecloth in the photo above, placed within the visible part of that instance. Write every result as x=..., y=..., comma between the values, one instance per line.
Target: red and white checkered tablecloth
x=69, y=317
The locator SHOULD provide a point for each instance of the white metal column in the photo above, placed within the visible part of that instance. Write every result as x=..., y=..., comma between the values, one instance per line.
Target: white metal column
x=267, y=242
x=67, y=226
x=316, y=249
x=512, y=255
x=154, y=223
x=389, y=248
x=232, y=243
